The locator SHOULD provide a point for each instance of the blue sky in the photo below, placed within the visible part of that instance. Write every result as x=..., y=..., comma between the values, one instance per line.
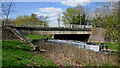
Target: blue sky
x=50, y=9
x=27, y=8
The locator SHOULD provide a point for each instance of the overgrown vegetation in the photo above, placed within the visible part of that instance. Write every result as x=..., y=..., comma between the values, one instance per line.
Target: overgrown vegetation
x=16, y=53
x=72, y=56
x=107, y=18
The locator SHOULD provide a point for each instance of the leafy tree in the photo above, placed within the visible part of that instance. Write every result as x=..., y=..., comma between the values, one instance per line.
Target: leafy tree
x=29, y=20
x=73, y=16
x=108, y=19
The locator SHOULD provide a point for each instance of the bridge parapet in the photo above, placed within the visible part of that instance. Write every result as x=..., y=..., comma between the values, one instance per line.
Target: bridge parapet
x=53, y=30
x=78, y=26
x=73, y=26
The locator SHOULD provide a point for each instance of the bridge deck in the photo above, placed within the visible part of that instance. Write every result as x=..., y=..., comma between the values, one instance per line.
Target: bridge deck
x=51, y=28
x=54, y=30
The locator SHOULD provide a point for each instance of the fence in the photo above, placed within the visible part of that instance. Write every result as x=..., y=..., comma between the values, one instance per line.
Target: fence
x=65, y=26
x=77, y=26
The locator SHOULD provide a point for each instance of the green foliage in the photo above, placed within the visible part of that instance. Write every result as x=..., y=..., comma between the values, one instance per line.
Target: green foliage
x=30, y=20
x=16, y=53
x=112, y=27
x=72, y=16
x=108, y=19
x=48, y=37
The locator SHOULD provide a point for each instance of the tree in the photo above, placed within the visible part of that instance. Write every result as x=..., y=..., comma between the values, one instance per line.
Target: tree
x=6, y=10
x=75, y=15
x=70, y=16
x=108, y=19
x=44, y=20
x=29, y=20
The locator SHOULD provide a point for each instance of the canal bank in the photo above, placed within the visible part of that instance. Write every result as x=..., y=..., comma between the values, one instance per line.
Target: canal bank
x=73, y=56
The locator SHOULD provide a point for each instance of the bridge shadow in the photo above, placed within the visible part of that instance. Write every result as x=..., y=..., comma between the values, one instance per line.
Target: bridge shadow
x=78, y=37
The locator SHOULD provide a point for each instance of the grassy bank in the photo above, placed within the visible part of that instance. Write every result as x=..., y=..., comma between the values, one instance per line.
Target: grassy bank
x=112, y=46
x=16, y=53
x=38, y=36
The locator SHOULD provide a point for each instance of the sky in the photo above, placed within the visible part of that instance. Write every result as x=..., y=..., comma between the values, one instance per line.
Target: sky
x=50, y=9
x=47, y=8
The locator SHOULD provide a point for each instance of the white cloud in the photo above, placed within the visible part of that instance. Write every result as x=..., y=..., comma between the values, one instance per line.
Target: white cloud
x=105, y=0
x=31, y=0
x=51, y=12
x=50, y=9
x=56, y=0
x=75, y=2
x=83, y=2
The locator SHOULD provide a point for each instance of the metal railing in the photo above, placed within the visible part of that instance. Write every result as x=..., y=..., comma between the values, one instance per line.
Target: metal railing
x=78, y=26
x=65, y=26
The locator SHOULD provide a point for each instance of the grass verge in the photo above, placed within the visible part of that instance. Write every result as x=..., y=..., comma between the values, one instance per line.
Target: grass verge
x=38, y=36
x=113, y=46
x=16, y=53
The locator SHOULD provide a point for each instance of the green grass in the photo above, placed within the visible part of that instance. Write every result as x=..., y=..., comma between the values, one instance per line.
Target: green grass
x=37, y=36
x=113, y=46
x=16, y=53
x=0, y=53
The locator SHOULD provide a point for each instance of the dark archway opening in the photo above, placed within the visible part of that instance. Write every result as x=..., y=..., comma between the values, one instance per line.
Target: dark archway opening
x=78, y=37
